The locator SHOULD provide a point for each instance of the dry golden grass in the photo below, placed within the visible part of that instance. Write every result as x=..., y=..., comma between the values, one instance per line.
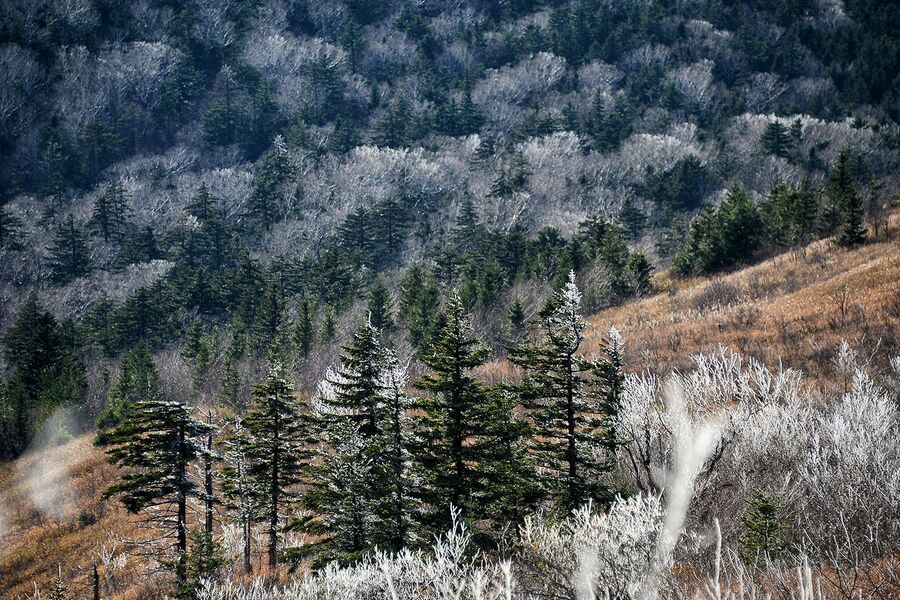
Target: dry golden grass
x=33, y=542
x=796, y=308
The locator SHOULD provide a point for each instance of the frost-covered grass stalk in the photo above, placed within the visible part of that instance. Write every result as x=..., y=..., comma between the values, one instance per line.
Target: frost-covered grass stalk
x=693, y=450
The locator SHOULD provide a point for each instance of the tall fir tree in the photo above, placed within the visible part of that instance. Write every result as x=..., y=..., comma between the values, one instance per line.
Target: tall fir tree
x=110, y=213
x=304, y=333
x=157, y=442
x=69, y=253
x=450, y=428
x=380, y=310
x=848, y=204
x=266, y=204
x=556, y=392
x=276, y=453
x=395, y=505
x=345, y=484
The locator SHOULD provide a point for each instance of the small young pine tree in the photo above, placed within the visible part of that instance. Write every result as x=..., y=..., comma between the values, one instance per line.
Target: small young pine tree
x=764, y=523
x=59, y=591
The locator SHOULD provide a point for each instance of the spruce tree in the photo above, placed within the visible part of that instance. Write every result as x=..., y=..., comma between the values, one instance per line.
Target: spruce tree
x=840, y=188
x=345, y=483
x=513, y=490
x=842, y=193
x=69, y=253
x=157, y=442
x=275, y=453
x=454, y=413
x=59, y=591
x=394, y=503
x=419, y=303
x=304, y=334
x=516, y=314
x=265, y=206
x=380, y=310
x=110, y=213
x=556, y=392
x=764, y=524
x=608, y=389
x=269, y=326
x=202, y=206
x=393, y=129
x=776, y=139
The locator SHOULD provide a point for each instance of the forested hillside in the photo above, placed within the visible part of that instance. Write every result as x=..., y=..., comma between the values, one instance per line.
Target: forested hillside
x=311, y=272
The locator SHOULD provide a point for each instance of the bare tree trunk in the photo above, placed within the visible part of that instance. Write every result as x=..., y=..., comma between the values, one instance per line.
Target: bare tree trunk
x=208, y=478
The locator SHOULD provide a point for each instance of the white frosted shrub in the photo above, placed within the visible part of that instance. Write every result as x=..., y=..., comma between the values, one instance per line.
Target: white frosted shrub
x=608, y=552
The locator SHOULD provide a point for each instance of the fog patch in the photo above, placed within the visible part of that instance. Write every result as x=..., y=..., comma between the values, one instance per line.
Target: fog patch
x=46, y=470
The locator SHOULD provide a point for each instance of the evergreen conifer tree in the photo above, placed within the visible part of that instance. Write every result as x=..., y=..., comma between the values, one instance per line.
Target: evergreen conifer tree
x=380, y=310
x=345, y=484
x=556, y=393
x=419, y=303
x=848, y=203
x=137, y=381
x=157, y=441
x=69, y=253
x=304, y=334
x=393, y=130
x=59, y=590
x=516, y=314
x=110, y=213
x=393, y=447
x=265, y=204
x=776, y=139
x=275, y=453
x=451, y=444
x=10, y=230
x=764, y=523
x=240, y=498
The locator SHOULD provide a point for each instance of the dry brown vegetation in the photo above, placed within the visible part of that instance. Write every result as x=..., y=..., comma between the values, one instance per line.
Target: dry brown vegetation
x=74, y=528
x=794, y=308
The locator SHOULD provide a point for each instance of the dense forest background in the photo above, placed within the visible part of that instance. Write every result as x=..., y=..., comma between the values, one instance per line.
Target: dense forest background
x=236, y=177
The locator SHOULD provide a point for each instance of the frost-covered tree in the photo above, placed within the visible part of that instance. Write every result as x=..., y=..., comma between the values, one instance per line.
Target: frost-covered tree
x=566, y=415
x=345, y=484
